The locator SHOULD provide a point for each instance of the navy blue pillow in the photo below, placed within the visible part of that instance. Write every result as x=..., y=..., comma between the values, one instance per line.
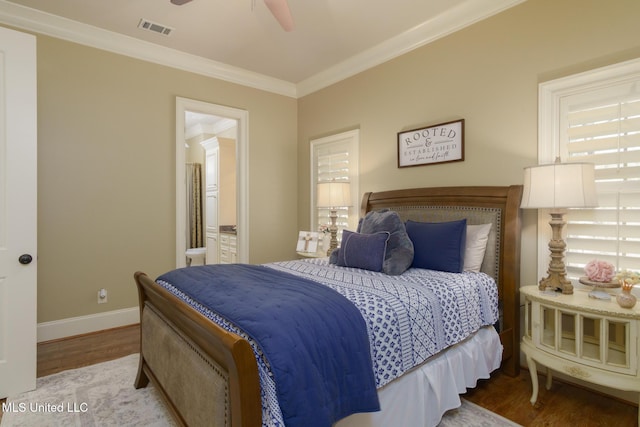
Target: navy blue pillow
x=364, y=251
x=399, y=254
x=438, y=245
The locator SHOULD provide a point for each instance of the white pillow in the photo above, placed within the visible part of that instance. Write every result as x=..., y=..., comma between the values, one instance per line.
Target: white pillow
x=477, y=237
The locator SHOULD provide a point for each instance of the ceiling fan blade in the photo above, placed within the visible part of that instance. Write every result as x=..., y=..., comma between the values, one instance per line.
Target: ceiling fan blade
x=280, y=10
x=180, y=2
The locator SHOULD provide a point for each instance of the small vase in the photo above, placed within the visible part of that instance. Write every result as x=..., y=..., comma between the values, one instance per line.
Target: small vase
x=625, y=298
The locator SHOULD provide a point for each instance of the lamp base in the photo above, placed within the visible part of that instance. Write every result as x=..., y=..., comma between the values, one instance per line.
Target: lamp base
x=556, y=283
x=557, y=279
x=333, y=230
x=333, y=243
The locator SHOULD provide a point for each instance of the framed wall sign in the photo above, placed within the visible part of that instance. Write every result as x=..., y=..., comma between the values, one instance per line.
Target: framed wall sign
x=440, y=143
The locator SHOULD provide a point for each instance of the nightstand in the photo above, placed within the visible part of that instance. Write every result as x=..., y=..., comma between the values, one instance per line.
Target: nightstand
x=312, y=254
x=593, y=340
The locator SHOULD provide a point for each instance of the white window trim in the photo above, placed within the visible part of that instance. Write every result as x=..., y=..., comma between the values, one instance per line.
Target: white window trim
x=354, y=137
x=550, y=95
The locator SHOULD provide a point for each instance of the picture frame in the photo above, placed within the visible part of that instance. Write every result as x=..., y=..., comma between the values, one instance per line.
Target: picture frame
x=441, y=143
x=307, y=242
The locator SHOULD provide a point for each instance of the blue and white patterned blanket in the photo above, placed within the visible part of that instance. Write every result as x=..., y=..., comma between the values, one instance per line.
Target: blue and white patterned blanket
x=409, y=318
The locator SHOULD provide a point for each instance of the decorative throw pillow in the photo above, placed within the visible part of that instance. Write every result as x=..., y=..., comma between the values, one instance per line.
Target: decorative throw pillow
x=476, y=245
x=399, y=254
x=438, y=245
x=364, y=251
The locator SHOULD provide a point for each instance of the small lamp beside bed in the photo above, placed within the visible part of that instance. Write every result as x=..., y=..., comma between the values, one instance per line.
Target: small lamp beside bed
x=558, y=186
x=333, y=195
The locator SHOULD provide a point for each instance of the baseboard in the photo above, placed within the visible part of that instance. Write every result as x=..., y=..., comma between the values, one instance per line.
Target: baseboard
x=63, y=328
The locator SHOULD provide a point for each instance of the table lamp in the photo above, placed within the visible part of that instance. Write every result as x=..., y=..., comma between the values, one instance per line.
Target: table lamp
x=333, y=195
x=558, y=186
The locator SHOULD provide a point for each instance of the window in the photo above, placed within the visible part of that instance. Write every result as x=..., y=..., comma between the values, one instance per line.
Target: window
x=335, y=158
x=595, y=117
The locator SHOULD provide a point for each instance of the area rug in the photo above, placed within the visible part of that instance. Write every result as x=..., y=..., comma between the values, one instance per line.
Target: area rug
x=103, y=395
x=470, y=414
x=96, y=395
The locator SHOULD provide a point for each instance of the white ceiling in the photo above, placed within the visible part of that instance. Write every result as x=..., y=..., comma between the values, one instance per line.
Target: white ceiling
x=196, y=123
x=239, y=40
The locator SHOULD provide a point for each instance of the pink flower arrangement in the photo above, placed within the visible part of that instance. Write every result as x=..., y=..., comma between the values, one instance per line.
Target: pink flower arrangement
x=600, y=271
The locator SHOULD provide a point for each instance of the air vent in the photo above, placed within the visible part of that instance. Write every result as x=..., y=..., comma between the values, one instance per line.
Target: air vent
x=156, y=28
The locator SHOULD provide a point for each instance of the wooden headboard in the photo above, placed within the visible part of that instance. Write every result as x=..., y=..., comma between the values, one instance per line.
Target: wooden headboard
x=499, y=206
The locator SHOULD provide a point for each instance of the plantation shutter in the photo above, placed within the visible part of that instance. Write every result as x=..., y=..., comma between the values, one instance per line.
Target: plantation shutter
x=335, y=158
x=602, y=126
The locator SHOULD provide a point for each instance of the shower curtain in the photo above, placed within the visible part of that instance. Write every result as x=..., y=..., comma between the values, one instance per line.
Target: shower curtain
x=195, y=235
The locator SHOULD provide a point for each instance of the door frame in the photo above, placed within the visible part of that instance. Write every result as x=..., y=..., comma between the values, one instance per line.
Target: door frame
x=242, y=175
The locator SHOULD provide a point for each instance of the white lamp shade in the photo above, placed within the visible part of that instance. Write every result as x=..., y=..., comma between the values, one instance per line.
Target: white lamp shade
x=334, y=194
x=559, y=185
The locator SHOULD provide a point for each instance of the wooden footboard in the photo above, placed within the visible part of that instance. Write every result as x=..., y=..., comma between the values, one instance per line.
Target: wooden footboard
x=208, y=376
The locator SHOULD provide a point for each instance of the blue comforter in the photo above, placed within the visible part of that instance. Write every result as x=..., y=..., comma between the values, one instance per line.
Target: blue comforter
x=315, y=340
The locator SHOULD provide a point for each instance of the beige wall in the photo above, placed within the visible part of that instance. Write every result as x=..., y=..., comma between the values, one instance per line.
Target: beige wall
x=106, y=126
x=106, y=173
x=487, y=74
x=228, y=179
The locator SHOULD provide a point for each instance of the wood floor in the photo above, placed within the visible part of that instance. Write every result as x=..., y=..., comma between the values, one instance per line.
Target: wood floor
x=563, y=405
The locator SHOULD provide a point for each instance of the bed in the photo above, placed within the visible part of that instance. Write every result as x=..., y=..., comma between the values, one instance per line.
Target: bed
x=210, y=375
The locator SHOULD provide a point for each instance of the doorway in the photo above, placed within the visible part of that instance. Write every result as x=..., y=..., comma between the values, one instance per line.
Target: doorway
x=229, y=123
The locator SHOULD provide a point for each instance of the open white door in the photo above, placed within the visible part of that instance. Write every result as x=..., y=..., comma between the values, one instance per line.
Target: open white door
x=18, y=204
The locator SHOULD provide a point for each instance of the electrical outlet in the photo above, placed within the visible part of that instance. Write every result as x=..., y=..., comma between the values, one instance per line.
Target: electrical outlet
x=102, y=296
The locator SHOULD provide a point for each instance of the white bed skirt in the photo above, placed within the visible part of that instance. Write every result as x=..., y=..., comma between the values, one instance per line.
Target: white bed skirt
x=422, y=396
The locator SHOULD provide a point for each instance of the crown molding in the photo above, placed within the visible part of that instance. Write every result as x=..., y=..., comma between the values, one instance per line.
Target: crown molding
x=29, y=19
x=463, y=15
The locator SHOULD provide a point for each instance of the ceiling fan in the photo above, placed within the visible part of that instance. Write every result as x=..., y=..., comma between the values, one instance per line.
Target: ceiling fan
x=279, y=9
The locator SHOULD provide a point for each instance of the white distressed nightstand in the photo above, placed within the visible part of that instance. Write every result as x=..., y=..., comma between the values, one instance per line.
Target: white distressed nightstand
x=319, y=254
x=593, y=340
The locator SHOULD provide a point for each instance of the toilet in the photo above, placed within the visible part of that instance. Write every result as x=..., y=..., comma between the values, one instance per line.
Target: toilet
x=196, y=255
